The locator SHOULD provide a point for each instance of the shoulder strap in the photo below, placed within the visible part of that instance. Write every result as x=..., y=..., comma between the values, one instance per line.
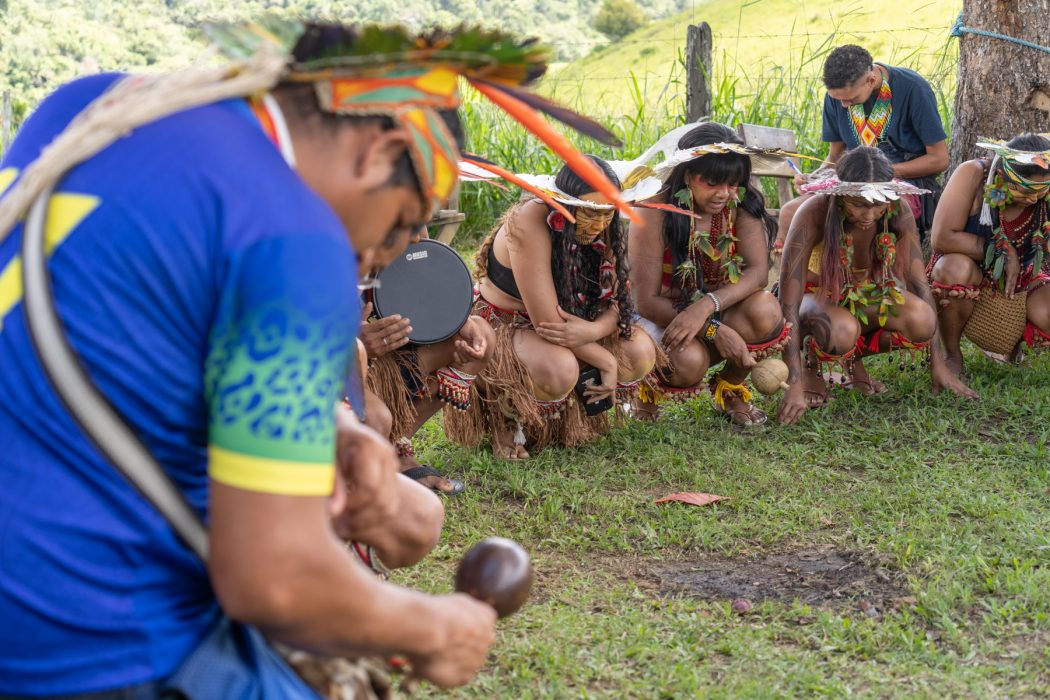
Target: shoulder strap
x=99, y=420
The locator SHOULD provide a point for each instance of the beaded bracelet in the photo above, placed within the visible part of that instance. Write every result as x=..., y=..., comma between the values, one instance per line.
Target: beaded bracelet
x=717, y=302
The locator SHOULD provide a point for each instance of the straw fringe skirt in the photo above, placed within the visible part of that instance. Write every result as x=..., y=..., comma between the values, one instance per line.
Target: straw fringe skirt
x=503, y=395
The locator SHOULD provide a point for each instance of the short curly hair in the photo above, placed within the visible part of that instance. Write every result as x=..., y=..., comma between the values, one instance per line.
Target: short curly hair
x=846, y=65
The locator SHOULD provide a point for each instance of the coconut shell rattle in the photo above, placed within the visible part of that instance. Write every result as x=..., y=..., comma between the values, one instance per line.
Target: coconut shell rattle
x=770, y=376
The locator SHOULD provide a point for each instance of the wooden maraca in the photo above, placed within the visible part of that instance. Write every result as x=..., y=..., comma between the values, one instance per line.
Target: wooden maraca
x=770, y=376
x=496, y=571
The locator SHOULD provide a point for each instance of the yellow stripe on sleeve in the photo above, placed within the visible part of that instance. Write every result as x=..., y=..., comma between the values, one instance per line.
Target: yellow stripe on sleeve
x=270, y=475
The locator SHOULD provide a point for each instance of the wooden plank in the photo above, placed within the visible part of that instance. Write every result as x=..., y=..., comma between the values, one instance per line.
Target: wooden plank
x=770, y=137
x=698, y=45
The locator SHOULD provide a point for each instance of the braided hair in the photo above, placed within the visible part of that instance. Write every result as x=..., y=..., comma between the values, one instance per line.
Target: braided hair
x=576, y=268
x=862, y=164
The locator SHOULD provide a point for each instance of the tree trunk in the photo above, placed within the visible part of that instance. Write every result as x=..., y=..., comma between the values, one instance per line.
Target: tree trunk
x=1004, y=87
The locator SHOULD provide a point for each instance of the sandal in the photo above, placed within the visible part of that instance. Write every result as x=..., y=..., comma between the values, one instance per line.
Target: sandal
x=424, y=471
x=417, y=472
x=724, y=393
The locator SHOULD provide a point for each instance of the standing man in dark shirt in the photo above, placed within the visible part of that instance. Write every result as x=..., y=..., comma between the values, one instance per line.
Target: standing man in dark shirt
x=889, y=108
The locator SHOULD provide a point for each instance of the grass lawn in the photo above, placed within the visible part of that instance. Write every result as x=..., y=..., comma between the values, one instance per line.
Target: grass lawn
x=935, y=512
x=760, y=41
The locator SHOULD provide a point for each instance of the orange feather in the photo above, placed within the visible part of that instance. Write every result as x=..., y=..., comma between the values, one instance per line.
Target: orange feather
x=588, y=171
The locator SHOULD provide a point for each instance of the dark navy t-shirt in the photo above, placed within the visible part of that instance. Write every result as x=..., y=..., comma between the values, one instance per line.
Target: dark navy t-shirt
x=914, y=122
x=212, y=297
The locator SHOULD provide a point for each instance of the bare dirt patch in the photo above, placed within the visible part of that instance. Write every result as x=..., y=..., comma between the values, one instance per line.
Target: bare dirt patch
x=822, y=577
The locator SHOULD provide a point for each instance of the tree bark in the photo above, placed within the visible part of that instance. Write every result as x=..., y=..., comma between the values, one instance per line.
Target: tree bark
x=1003, y=88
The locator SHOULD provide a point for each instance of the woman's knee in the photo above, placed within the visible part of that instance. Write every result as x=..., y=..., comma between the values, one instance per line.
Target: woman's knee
x=554, y=373
x=837, y=336
x=639, y=356
x=689, y=364
x=919, y=321
x=1039, y=308
x=763, y=315
x=955, y=268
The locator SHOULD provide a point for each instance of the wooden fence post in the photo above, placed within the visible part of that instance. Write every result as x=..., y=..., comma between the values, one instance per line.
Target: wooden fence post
x=698, y=70
x=5, y=122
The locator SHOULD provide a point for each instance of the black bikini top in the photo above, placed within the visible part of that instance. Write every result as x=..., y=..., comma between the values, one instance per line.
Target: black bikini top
x=502, y=276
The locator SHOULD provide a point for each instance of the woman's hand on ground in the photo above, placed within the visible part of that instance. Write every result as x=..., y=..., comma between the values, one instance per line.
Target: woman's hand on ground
x=571, y=332
x=686, y=325
x=733, y=348
x=793, y=405
x=385, y=334
x=942, y=378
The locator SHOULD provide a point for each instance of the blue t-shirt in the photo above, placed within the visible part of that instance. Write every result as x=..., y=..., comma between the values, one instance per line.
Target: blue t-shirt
x=914, y=121
x=212, y=297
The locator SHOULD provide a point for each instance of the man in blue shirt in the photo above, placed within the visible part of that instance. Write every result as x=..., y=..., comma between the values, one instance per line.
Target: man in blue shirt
x=889, y=108
x=204, y=272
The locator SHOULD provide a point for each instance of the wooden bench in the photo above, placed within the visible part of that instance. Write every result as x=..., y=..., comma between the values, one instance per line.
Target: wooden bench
x=446, y=221
x=772, y=137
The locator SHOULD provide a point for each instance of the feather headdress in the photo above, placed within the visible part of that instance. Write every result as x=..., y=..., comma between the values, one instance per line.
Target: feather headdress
x=874, y=192
x=373, y=70
x=1007, y=155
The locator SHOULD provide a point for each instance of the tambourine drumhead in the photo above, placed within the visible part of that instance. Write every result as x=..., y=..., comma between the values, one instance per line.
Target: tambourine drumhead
x=430, y=285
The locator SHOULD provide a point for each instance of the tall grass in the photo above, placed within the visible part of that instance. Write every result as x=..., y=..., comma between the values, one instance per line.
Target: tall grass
x=789, y=96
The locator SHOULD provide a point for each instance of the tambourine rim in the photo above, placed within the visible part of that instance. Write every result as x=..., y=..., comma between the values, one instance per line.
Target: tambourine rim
x=378, y=292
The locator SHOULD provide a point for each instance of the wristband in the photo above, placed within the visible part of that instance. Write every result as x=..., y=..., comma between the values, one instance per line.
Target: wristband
x=712, y=329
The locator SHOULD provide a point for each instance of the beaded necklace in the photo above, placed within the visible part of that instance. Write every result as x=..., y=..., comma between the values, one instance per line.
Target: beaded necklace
x=713, y=252
x=868, y=129
x=1026, y=234
x=884, y=292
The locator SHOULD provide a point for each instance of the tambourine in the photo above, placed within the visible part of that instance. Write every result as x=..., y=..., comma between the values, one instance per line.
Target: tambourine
x=430, y=285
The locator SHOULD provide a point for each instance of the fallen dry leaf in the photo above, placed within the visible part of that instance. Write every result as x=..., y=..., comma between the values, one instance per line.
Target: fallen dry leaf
x=693, y=498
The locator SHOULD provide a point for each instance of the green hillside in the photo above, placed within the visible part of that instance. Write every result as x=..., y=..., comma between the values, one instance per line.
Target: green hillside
x=760, y=41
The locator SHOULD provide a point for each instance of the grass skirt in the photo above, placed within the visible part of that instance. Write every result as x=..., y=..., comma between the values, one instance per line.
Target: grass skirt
x=503, y=395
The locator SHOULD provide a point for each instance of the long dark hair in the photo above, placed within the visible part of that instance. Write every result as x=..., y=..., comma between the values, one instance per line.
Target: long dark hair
x=719, y=168
x=862, y=164
x=576, y=268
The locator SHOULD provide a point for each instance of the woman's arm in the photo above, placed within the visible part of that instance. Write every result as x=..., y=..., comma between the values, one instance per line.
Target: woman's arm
x=645, y=248
x=807, y=229
x=954, y=208
x=529, y=245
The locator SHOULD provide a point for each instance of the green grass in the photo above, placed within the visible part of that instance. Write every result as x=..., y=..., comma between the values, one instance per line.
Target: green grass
x=760, y=40
x=952, y=497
